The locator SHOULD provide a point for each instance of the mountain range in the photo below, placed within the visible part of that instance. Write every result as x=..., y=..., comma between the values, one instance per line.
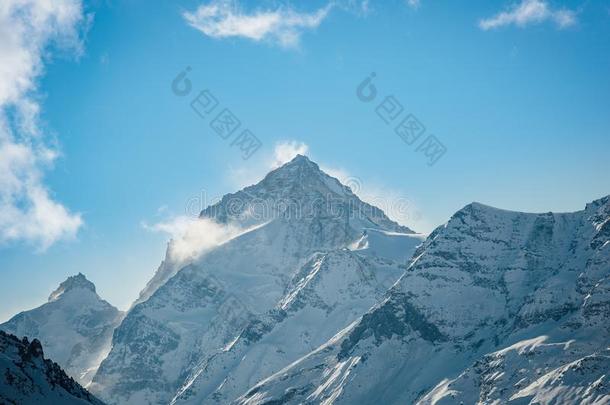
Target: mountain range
x=317, y=297
x=495, y=307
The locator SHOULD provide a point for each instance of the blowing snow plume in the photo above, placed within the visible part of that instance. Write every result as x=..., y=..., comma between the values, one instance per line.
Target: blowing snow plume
x=190, y=238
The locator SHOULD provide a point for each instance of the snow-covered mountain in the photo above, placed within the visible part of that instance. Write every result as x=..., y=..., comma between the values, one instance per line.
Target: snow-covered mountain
x=496, y=307
x=27, y=378
x=285, y=273
x=75, y=326
x=312, y=296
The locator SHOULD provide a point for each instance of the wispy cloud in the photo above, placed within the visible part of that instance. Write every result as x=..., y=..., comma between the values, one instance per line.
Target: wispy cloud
x=285, y=151
x=186, y=231
x=530, y=12
x=282, y=26
x=28, y=211
x=413, y=3
x=192, y=237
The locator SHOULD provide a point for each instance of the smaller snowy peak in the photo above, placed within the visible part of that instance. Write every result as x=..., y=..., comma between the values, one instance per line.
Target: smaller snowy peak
x=78, y=281
x=75, y=326
x=595, y=210
x=538, y=230
x=479, y=211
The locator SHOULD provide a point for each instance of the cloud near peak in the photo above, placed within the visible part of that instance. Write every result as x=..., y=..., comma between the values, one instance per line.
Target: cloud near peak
x=285, y=151
x=192, y=237
x=282, y=26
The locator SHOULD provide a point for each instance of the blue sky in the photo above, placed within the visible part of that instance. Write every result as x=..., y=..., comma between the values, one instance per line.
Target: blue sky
x=517, y=91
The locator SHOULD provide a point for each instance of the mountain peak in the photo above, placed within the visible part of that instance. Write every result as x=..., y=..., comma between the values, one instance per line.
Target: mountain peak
x=78, y=281
x=299, y=190
x=301, y=160
x=600, y=203
x=298, y=164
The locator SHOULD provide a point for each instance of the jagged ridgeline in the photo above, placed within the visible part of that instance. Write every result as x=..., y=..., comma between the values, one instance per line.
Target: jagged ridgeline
x=27, y=378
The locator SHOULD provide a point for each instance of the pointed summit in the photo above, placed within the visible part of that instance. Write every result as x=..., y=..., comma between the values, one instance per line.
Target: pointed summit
x=300, y=172
x=78, y=281
x=300, y=191
x=75, y=327
x=300, y=159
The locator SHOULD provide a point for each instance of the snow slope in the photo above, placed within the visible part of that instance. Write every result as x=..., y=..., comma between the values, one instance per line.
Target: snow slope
x=530, y=371
x=325, y=295
x=294, y=215
x=496, y=307
x=28, y=378
x=75, y=326
x=390, y=245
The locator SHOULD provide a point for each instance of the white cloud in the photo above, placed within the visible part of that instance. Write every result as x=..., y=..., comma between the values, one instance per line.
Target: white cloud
x=413, y=3
x=530, y=12
x=28, y=212
x=192, y=237
x=282, y=26
x=285, y=151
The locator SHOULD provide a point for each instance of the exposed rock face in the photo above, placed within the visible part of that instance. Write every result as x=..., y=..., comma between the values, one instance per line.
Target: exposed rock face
x=75, y=326
x=27, y=378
